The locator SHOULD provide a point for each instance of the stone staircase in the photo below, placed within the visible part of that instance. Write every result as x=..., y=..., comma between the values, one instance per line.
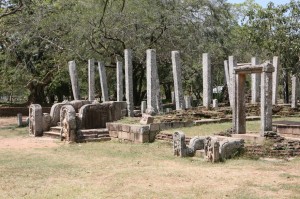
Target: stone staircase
x=93, y=135
x=84, y=135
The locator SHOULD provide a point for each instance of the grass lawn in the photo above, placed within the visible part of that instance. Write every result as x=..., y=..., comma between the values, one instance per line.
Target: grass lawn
x=124, y=170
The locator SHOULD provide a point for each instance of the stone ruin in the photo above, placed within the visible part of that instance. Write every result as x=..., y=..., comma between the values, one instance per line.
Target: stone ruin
x=212, y=148
x=75, y=121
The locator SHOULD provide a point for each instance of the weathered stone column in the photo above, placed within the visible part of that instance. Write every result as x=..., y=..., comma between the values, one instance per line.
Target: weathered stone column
x=19, y=120
x=255, y=83
x=187, y=100
x=143, y=107
x=294, y=91
x=207, y=89
x=173, y=97
x=103, y=81
x=153, y=90
x=232, y=64
x=129, y=81
x=74, y=80
x=215, y=103
x=176, y=65
x=275, y=80
x=119, y=81
x=228, y=81
x=240, y=104
x=266, y=98
x=91, y=72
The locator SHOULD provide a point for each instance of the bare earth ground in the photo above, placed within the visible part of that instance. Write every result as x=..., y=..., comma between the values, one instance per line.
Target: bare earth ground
x=43, y=168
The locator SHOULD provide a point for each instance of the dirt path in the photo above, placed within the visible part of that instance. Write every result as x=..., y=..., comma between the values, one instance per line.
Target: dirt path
x=26, y=142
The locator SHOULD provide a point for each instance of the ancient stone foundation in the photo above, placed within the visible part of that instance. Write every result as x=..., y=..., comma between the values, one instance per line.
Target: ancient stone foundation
x=212, y=148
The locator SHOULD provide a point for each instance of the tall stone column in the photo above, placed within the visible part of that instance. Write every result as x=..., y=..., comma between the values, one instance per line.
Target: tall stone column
x=255, y=83
x=207, y=88
x=240, y=104
x=294, y=91
x=275, y=80
x=228, y=81
x=119, y=81
x=103, y=81
x=153, y=89
x=232, y=64
x=74, y=80
x=176, y=65
x=129, y=81
x=266, y=98
x=91, y=73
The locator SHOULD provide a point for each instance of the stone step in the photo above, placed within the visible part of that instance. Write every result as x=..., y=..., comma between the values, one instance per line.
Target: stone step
x=55, y=129
x=86, y=136
x=52, y=134
x=101, y=139
x=93, y=131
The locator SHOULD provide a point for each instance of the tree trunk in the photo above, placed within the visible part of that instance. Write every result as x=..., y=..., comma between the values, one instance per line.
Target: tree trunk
x=37, y=95
x=168, y=91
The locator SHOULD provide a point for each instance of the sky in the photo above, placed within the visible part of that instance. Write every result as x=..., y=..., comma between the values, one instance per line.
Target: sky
x=262, y=2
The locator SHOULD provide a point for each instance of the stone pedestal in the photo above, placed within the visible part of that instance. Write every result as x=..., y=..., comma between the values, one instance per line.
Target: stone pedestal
x=207, y=88
x=119, y=81
x=176, y=65
x=91, y=73
x=294, y=91
x=255, y=83
x=103, y=81
x=129, y=81
x=74, y=80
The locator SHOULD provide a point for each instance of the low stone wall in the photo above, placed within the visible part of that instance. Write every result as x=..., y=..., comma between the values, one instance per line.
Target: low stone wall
x=141, y=133
x=13, y=111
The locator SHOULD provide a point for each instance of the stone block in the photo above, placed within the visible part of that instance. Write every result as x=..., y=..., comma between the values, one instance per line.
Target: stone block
x=154, y=127
x=112, y=126
x=165, y=126
x=177, y=124
x=188, y=124
x=152, y=135
x=141, y=137
x=147, y=119
x=46, y=121
x=113, y=134
x=125, y=128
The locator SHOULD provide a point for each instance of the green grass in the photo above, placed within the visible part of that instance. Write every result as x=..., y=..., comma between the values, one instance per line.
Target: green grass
x=124, y=170
x=209, y=129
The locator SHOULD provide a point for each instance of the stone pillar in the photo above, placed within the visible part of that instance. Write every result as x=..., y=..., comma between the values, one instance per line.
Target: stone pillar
x=103, y=81
x=177, y=80
x=187, y=100
x=255, y=83
x=228, y=80
x=173, y=97
x=153, y=90
x=240, y=104
x=143, y=107
x=207, y=89
x=19, y=120
x=232, y=64
x=275, y=80
x=129, y=81
x=266, y=98
x=119, y=81
x=215, y=103
x=91, y=73
x=74, y=80
x=294, y=91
